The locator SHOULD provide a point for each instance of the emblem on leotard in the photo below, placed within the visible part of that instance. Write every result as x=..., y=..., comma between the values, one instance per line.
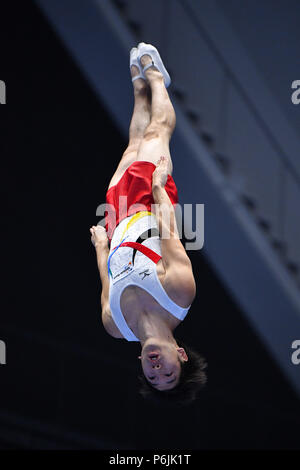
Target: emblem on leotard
x=123, y=272
x=145, y=273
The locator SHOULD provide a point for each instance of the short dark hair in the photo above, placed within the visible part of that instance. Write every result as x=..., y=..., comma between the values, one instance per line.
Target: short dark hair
x=192, y=379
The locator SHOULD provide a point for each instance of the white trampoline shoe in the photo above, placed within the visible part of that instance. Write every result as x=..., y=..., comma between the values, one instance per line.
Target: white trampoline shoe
x=150, y=50
x=134, y=61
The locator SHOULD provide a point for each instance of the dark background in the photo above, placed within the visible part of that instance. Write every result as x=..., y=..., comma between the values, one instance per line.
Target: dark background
x=67, y=384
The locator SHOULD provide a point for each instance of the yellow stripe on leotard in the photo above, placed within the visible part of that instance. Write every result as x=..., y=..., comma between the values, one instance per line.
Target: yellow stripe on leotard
x=134, y=219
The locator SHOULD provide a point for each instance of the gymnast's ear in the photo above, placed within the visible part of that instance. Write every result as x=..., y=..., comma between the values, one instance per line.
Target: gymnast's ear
x=139, y=357
x=183, y=354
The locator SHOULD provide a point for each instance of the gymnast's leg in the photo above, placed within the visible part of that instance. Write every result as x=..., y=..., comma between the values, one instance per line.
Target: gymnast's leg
x=139, y=122
x=157, y=135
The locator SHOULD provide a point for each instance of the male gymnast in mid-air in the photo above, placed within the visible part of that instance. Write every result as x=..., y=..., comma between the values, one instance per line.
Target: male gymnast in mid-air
x=147, y=278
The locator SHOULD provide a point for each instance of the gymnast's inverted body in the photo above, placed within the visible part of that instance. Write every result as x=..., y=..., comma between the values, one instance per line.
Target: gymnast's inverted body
x=147, y=278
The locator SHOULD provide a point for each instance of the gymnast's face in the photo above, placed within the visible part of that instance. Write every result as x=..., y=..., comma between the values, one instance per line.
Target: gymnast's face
x=161, y=364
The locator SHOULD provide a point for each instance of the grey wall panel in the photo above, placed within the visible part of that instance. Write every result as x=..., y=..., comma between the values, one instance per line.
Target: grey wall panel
x=209, y=17
x=196, y=70
x=291, y=219
x=256, y=166
x=150, y=19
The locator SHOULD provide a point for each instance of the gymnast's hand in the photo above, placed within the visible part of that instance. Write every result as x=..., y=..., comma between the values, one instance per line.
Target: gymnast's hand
x=160, y=174
x=99, y=235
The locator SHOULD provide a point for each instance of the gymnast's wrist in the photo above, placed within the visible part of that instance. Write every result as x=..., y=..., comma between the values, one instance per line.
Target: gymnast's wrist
x=101, y=244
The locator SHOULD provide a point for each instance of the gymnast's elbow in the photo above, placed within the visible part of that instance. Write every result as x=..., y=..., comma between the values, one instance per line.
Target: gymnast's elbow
x=109, y=325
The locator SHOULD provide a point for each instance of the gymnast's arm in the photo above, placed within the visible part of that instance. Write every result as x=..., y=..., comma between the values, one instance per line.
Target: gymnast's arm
x=175, y=260
x=100, y=242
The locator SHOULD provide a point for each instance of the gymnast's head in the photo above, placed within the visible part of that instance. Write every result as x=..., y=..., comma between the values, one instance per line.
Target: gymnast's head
x=172, y=372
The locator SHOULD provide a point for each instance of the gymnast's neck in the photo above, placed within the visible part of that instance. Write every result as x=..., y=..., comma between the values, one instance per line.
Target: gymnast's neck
x=151, y=326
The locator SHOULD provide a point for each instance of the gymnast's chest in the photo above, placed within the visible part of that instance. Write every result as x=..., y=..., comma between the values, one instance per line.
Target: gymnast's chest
x=135, y=303
x=132, y=303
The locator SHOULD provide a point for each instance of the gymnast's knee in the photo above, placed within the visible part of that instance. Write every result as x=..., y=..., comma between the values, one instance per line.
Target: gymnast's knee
x=160, y=128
